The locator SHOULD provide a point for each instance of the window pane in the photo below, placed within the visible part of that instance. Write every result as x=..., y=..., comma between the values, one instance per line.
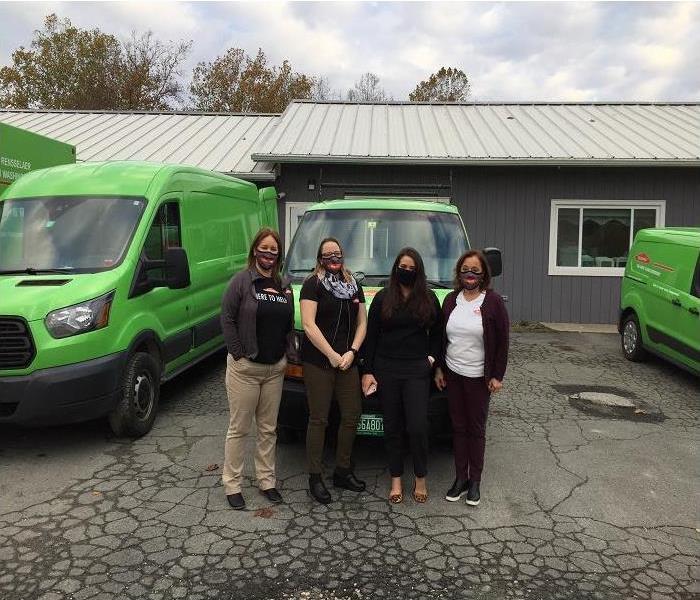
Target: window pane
x=644, y=218
x=606, y=237
x=567, y=237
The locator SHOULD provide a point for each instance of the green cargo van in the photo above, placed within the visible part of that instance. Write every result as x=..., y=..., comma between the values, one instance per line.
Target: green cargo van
x=22, y=151
x=111, y=278
x=660, y=299
x=372, y=232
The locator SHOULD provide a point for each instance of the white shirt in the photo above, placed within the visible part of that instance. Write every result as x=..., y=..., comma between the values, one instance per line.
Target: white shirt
x=465, y=337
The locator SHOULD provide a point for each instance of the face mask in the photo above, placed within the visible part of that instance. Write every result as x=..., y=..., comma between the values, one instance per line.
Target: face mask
x=265, y=260
x=405, y=276
x=332, y=264
x=470, y=280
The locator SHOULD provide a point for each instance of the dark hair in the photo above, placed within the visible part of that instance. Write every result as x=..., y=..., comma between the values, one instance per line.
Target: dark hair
x=259, y=237
x=486, y=279
x=347, y=275
x=419, y=301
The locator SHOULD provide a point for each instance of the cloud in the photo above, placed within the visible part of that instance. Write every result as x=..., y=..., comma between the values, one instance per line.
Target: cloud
x=511, y=51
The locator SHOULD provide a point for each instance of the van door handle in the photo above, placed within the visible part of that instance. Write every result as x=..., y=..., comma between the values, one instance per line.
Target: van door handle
x=694, y=311
x=676, y=302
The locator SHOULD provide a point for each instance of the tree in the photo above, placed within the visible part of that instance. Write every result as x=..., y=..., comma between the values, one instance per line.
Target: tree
x=447, y=85
x=321, y=90
x=79, y=69
x=367, y=89
x=235, y=82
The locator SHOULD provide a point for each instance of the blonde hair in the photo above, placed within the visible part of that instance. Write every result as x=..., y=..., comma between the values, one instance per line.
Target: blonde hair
x=347, y=274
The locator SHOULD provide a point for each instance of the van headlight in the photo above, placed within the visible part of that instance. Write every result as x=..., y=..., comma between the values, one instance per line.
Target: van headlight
x=80, y=318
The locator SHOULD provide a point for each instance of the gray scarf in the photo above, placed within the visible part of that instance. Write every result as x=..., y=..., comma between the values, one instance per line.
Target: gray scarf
x=341, y=289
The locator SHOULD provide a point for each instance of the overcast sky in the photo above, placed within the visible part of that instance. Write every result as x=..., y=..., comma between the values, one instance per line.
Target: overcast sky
x=577, y=51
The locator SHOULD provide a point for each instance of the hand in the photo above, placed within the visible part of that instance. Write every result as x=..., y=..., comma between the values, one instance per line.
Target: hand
x=431, y=361
x=440, y=381
x=335, y=360
x=368, y=383
x=346, y=360
x=494, y=385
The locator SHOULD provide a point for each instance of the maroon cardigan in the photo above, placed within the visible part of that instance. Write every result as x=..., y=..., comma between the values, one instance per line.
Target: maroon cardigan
x=496, y=330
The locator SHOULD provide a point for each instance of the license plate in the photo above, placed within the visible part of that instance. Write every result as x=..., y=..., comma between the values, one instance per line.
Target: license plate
x=370, y=425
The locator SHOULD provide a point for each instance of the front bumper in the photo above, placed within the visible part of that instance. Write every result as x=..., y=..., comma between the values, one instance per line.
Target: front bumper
x=294, y=412
x=66, y=394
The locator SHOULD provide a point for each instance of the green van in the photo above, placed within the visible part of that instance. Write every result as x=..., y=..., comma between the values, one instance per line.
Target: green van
x=660, y=299
x=372, y=232
x=111, y=278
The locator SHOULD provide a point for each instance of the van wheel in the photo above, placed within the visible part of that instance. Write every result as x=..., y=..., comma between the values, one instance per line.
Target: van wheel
x=140, y=391
x=632, y=339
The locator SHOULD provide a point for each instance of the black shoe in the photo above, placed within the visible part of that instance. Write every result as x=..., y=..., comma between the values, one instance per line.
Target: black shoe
x=473, y=497
x=458, y=489
x=236, y=501
x=347, y=481
x=272, y=495
x=318, y=490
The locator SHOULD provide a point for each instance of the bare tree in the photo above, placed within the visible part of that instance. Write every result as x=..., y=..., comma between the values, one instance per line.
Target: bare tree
x=367, y=89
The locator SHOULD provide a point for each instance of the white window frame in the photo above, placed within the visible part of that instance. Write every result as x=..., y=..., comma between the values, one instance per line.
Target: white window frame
x=289, y=227
x=659, y=205
x=439, y=199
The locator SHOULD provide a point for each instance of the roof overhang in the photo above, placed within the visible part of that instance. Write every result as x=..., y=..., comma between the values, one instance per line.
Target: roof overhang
x=466, y=162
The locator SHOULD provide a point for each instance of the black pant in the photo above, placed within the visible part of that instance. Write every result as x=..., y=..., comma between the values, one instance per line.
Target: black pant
x=404, y=388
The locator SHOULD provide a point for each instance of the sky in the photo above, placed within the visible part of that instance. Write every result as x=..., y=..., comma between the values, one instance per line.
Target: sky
x=511, y=51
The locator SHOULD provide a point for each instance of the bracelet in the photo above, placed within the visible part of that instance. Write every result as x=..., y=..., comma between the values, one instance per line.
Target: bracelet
x=353, y=350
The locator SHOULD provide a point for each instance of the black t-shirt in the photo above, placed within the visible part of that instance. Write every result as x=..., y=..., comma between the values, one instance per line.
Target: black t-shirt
x=273, y=320
x=336, y=318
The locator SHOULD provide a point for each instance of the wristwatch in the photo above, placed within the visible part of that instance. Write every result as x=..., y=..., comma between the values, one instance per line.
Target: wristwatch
x=353, y=350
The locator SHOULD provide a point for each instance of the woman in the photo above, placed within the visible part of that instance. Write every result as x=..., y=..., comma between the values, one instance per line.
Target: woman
x=404, y=335
x=473, y=364
x=335, y=322
x=257, y=314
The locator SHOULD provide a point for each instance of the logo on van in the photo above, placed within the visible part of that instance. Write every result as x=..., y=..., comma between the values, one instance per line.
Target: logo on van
x=642, y=258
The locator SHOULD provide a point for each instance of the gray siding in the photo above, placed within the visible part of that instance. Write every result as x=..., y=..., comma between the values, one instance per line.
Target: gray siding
x=509, y=207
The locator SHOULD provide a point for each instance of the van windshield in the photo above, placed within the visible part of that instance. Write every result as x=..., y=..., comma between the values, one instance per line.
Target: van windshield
x=72, y=234
x=371, y=240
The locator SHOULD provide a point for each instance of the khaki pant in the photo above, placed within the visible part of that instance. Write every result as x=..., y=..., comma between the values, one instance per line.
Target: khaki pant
x=253, y=389
x=322, y=385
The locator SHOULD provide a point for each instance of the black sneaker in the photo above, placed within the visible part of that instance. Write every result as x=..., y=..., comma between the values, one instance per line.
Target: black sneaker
x=347, y=481
x=272, y=495
x=458, y=489
x=473, y=497
x=318, y=490
x=236, y=501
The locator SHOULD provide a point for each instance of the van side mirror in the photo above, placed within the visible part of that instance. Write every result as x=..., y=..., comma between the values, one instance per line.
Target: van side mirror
x=493, y=256
x=177, y=269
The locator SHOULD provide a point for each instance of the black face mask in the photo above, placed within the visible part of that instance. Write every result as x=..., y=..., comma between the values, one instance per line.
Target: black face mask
x=470, y=280
x=333, y=264
x=405, y=276
x=265, y=260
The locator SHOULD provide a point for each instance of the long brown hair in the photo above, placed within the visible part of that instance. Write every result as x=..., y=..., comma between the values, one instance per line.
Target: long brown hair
x=486, y=278
x=259, y=237
x=419, y=302
x=347, y=275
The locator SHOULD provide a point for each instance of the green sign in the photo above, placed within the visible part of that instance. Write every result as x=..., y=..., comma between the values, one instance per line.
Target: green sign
x=22, y=151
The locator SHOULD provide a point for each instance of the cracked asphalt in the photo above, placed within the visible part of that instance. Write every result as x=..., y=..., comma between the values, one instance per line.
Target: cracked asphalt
x=574, y=505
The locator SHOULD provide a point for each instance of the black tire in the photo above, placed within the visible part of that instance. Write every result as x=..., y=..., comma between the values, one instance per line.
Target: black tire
x=631, y=339
x=140, y=391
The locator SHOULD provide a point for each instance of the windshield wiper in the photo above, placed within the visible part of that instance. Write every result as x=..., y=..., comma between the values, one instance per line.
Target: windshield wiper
x=35, y=271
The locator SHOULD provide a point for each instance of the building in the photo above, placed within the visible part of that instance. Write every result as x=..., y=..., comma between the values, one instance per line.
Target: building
x=559, y=187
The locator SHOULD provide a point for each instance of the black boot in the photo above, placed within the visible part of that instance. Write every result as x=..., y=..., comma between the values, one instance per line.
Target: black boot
x=345, y=478
x=318, y=490
x=458, y=489
x=473, y=495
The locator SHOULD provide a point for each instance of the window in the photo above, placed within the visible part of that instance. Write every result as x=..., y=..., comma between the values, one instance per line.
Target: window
x=164, y=232
x=592, y=237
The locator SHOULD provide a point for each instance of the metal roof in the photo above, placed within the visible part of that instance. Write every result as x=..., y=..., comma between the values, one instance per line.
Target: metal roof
x=485, y=133
x=217, y=142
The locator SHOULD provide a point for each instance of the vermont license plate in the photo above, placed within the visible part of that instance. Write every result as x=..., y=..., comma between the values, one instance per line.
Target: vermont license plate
x=370, y=425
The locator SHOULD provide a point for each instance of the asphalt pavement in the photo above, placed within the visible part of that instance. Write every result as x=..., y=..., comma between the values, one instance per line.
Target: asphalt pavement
x=578, y=501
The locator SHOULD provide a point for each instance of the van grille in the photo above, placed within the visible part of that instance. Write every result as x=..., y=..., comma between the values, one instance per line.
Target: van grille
x=16, y=344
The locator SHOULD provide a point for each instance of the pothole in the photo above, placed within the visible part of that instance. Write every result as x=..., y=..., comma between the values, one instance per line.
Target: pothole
x=611, y=402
